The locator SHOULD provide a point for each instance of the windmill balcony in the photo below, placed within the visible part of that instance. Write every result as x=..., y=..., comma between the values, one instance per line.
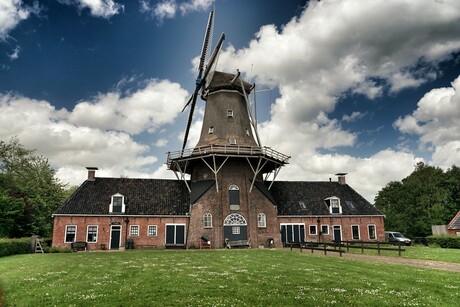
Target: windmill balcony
x=227, y=150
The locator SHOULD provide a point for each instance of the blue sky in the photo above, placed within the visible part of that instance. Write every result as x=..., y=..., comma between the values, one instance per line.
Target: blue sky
x=363, y=87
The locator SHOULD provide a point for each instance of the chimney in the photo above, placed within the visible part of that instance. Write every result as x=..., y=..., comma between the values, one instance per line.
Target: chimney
x=91, y=173
x=341, y=177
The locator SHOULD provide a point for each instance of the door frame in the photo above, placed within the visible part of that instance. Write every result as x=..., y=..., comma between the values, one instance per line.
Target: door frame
x=111, y=232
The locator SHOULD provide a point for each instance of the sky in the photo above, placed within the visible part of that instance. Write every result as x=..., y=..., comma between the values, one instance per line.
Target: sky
x=367, y=87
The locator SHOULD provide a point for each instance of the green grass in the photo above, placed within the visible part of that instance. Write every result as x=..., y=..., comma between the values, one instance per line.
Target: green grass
x=218, y=278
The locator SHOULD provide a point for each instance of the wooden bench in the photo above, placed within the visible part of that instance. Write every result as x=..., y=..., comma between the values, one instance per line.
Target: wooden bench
x=238, y=243
x=78, y=246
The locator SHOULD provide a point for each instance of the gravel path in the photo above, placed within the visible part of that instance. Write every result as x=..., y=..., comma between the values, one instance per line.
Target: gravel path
x=427, y=264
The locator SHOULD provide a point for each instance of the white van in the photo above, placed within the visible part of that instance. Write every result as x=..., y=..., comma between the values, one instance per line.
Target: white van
x=396, y=237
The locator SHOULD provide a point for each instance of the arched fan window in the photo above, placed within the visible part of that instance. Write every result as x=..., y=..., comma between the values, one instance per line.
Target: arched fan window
x=234, y=194
x=235, y=219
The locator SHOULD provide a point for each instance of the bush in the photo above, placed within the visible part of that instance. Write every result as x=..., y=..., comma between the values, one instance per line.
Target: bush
x=14, y=246
x=445, y=241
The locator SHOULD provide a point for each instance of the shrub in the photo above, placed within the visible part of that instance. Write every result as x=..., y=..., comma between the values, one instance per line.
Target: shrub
x=14, y=246
x=445, y=241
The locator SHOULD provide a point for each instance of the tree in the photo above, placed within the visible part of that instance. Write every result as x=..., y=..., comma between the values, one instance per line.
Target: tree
x=29, y=191
x=429, y=196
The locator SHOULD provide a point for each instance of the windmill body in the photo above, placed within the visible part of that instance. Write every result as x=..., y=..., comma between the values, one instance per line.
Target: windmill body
x=225, y=171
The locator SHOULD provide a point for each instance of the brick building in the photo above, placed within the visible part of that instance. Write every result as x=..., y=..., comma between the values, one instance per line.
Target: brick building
x=222, y=192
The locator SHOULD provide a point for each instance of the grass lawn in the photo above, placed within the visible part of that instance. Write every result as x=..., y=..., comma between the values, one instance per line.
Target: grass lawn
x=218, y=278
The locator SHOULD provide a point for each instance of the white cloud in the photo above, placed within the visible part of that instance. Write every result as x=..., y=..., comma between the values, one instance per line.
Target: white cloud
x=155, y=104
x=12, y=12
x=338, y=47
x=353, y=117
x=71, y=141
x=168, y=9
x=97, y=8
x=437, y=122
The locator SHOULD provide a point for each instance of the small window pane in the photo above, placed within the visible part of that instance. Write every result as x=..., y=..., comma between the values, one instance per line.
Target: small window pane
x=371, y=229
x=313, y=229
x=236, y=230
x=261, y=220
x=324, y=229
x=134, y=231
x=355, y=232
x=92, y=234
x=152, y=230
x=117, y=203
x=70, y=233
x=229, y=113
x=207, y=220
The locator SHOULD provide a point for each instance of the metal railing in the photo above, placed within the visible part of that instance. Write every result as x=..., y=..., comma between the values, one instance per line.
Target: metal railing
x=228, y=150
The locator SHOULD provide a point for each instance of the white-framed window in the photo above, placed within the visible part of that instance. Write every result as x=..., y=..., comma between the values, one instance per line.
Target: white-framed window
x=91, y=234
x=458, y=233
x=134, y=231
x=261, y=220
x=152, y=230
x=355, y=232
x=70, y=233
x=211, y=130
x=324, y=229
x=236, y=230
x=117, y=204
x=372, y=232
x=229, y=113
x=333, y=203
x=207, y=220
x=312, y=230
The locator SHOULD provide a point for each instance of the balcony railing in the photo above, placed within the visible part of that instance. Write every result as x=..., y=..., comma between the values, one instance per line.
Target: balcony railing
x=233, y=150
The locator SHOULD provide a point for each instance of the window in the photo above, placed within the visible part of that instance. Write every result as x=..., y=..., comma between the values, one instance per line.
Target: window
x=333, y=203
x=236, y=230
x=91, y=234
x=324, y=229
x=232, y=141
x=372, y=232
x=261, y=220
x=313, y=230
x=118, y=204
x=350, y=204
x=229, y=113
x=134, y=231
x=355, y=232
x=302, y=205
x=211, y=130
x=207, y=220
x=234, y=194
x=70, y=233
x=247, y=132
x=152, y=230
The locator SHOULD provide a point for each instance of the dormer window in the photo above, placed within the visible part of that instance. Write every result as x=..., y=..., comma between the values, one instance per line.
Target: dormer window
x=333, y=203
x=247, y=132
x=232, y=141
x=211, y=130
x=117, y=204
x=229, y=113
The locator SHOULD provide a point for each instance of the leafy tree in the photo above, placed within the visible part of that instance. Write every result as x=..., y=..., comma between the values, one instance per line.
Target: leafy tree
x=429, y=196
x=29, y=192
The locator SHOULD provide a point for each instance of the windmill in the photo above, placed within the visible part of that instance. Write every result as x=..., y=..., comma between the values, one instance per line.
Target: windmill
x=202, y=71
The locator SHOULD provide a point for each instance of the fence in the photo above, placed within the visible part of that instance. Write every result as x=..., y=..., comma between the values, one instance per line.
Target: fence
x=344, y=246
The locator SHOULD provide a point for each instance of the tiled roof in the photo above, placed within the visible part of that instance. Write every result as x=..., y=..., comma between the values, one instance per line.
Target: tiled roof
x=290, y=194
x=455, y=223
x=142, y=197
x=171, y=197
